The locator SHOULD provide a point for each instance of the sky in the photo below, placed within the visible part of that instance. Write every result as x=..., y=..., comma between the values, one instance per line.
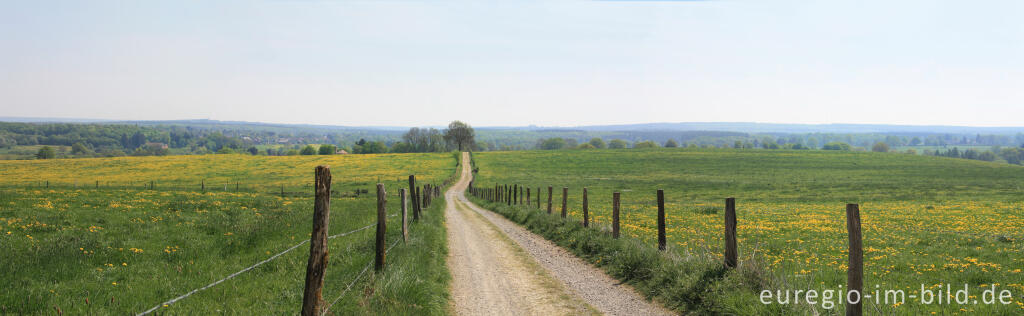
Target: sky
x=515, y=63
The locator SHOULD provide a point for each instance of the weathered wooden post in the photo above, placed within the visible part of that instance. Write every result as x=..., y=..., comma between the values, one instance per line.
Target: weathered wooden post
x=202, y=185
x=412, y=190
x=538, y=198
x=615, y=215
x=236, y=186
x=520, y=195
x=586, y=210
x=419, y=201
x=312, y=300
x=423, y=199
x=661, y=219
x=731, y=254
x=515, y=194
x=97, y=184
x=855, y=270
x=382, y=228
x=527, y=196
x=152, y=185
x=565, y=197
x=405, y=217
x=550, y=190
x=508, y=195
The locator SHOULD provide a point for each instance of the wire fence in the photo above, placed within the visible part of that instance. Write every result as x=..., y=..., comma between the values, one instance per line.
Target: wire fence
x=271, y=258
x=361, y=273
x=283, y=189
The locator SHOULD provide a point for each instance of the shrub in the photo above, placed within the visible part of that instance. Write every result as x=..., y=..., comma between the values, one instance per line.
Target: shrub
x=326, y=149
x=308, y=150
x=836, y=146
x=552, y=143
x=617, y=144
x=46, y=152
x=646, y=144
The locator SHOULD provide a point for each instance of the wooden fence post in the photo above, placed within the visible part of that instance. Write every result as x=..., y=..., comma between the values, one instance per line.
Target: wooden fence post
x=312, y=300
x=508, y=195
x=412, y=191
x=515, y=194
x=586, y=211
x=615, y=215
x=565, y=197
x=202, y=185
x=97, y=184
x=419, y=201
x=661, y=219
x=527, y=196
x=855, y=270
x=538, y=198
x=731, y=255
x=405, y=217
x=382, y=227
x=550, y=190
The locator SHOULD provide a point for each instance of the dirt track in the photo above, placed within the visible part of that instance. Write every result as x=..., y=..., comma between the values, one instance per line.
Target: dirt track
x=500, y=268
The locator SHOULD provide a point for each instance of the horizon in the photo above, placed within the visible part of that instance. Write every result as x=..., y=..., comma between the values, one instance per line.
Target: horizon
x=82, y=120
x=544, y=64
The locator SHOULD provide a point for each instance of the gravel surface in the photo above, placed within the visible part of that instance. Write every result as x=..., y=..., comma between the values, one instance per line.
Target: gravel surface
x=500, y=268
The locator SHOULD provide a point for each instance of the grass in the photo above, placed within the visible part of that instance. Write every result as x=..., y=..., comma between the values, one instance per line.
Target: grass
x=124, y=250
x=926, y=220
x=698, y=285
x=264, y=174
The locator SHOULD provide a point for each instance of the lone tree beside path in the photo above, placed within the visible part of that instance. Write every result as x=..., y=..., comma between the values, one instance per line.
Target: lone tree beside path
x=460, y=135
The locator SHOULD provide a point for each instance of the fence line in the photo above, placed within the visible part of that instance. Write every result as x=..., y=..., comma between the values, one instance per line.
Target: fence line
x=172, y=301
x=231, y=276
x=855, y=270
x=349, y=287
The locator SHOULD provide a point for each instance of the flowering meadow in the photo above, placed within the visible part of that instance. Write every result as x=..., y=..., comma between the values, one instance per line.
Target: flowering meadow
x=124, y=248
x=927, y=221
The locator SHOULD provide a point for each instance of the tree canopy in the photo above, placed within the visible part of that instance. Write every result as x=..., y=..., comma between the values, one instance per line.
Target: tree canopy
x=460, y=135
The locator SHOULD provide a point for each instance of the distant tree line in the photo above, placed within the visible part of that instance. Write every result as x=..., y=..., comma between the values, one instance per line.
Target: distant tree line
x=93, y=140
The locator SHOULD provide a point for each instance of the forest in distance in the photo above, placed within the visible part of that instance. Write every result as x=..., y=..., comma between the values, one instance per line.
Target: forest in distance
x=41, y=140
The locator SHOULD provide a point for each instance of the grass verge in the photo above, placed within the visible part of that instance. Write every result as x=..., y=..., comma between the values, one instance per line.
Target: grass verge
x=697, y=285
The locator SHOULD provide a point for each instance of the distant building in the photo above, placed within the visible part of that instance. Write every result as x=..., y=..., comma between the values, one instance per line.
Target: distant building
x=341, y=152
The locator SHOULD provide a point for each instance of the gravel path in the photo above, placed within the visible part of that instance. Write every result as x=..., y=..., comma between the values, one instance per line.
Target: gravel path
x=500, y=268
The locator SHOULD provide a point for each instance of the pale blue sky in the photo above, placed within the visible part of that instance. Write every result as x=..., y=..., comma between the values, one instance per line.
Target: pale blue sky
x=550, y=63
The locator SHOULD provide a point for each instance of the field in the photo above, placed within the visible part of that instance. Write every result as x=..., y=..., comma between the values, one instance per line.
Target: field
x=121, y=248
x=927, y=220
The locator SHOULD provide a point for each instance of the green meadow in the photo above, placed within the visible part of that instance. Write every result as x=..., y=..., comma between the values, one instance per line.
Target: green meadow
x=126, y=249
x=927, y=221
